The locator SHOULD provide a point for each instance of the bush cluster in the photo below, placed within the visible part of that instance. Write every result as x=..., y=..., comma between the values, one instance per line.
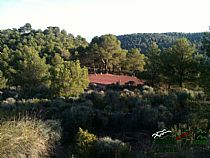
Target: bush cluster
x=109, y=111
x=89, y=146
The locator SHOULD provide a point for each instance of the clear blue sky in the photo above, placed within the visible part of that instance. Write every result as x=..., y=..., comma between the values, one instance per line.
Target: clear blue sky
x=96, y=17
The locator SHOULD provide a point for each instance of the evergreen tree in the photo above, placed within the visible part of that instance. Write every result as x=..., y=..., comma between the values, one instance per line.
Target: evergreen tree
x=152, y=66
x=167, y=70
x=134, y=61
x=33, y=71
x=69, y=79
x=205, y=66
x=3, y=81
x=206, y=43
x=106, y=52
x=179, y=63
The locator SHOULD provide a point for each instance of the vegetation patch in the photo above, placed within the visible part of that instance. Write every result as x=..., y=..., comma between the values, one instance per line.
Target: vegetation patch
x=28, y=138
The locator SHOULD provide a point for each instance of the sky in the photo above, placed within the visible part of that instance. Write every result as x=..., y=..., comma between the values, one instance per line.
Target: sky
x=90, y=18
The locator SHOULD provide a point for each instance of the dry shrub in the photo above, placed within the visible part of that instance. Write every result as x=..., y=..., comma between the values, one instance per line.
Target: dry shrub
x=28, y=138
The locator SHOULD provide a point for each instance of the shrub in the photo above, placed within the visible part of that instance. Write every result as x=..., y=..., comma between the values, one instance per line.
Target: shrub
x=84, y=143
x=147, y=90
x=171, y=101
x=166, y=116
x=196, y=95
x=185, y=95
x=101, y=120
x=59, y=102
x=115, y=120
x=28, y=138
x=80, y=116
x=10, y=100
x=128, y=102
x=157, y=99
x=8, y=103
x=108, y=148
x=97, y=99
x=150, y=118
x=75, y=117
x=7, y=93
x=88, y=146
x=182, y=98
x=113, y=98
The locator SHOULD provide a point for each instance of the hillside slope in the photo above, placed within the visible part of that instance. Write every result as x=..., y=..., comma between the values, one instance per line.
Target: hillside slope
x=142, y=41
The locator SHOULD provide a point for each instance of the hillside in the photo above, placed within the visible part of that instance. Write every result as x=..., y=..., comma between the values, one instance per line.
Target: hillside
x=61, y=96
x=142, y=41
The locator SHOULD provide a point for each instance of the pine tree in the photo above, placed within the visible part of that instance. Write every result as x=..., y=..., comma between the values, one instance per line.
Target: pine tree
x=153, y=64
x=134, y=61
x=69, y=79
x=179, y=63
x=3, y=81
x=106, y=52
x=33, y=72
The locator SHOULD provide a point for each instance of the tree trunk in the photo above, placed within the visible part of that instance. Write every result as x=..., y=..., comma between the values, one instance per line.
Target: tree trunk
x=152, y=80
x=105, y=67
x=109, y=70
x=181, y=81
x=181, y=84
x=113, y=67
x=94, y=70
x=169, y=85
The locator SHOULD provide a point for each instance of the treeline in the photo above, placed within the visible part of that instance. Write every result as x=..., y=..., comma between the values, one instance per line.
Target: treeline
x=142, y=41
x=181, y=64
x=40, y=63
x=41, y=70
x=49, y=61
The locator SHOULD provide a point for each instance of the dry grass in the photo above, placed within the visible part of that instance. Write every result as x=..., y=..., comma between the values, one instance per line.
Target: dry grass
x=28, y=138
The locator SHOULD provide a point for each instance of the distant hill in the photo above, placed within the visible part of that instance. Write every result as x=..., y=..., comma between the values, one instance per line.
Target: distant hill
x=142, y=41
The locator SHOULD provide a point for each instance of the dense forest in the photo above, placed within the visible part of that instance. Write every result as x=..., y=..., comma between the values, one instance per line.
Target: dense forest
x=49, y=108
x=142, y=41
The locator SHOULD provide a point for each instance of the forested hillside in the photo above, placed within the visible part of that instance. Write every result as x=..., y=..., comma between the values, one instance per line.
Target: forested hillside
x=40, y=61
x=49, y=109
x=142, y=41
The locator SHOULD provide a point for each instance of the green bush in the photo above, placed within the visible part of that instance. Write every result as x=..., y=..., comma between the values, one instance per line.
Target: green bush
x=171, y=101
x=146, y=90
x=88, y=146
x=28, y=138
x=164, y=114
x=108, y=148
x=113, y=98
x=101, y=120
x=115, y=120
x=97, y=99
x=149, y=117
x=84, y=144
x=75, y=117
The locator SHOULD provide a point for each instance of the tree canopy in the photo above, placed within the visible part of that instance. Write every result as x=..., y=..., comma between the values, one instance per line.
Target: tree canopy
x=142, y=41
x=68, y=79
x=58, y=61
x=27, y=57
x=106, y=52
x=135, y=61
x=152, y=67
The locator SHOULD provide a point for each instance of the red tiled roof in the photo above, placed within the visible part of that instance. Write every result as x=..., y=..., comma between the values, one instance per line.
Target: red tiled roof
x=106, y=79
